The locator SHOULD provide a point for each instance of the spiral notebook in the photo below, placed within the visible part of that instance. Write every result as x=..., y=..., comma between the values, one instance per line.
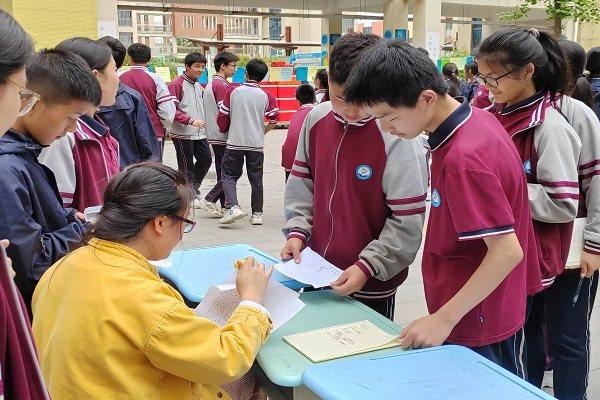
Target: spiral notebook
x=341, y=341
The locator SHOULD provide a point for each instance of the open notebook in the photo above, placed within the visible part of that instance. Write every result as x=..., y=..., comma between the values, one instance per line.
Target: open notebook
x=341, y=341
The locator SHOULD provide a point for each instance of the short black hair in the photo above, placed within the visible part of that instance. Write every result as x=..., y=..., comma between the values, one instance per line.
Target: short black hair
x=118, y=49
x=139, y=53
x=224, y=58
x=472, y=68
x=321, y=75
x=305, y=94
x=194, y=57
x=593, y=61
x=346, y=52
x=395, y=73
x=256, y=69
x=16, y=46
x=95, y=53
x=61, y=76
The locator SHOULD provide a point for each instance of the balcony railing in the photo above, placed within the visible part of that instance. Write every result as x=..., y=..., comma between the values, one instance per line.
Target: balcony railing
x=238, y=31
x=162, y=50
x=147, y=28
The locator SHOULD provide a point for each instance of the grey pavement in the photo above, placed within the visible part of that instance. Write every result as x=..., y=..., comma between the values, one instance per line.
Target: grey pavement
x=410, y=300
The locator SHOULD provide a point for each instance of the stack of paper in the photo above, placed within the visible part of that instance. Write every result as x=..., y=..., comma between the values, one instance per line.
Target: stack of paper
x=313, y=269
x=341, y=341
x=222, y=300
x=574, y=257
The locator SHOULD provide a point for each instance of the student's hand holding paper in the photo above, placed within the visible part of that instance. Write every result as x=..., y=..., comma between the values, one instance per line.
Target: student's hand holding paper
x=5, y=243
x=351, y=280
x=590, y=263
x=292, y=249
x=251, y=281
x=429, y=331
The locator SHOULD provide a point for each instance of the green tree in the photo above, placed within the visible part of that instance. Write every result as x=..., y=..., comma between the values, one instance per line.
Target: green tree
x=557, y=11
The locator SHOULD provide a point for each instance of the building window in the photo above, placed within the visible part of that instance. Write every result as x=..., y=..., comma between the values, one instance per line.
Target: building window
x=274, y=25
x=126, y=38
x=188, y=22
x=209, y=23
x=368, y=30
x=476, y=33
x=125, y=18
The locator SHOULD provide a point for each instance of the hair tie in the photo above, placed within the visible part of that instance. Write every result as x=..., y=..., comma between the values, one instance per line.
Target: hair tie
x=580, y=76
x=535, y=33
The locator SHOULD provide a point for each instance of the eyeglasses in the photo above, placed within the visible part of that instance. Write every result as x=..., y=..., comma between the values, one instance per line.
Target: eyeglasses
x=189, y=225
x=28, y=97
x=489, y=81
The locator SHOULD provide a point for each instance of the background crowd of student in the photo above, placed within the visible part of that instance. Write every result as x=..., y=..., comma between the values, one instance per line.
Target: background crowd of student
x=507, y=181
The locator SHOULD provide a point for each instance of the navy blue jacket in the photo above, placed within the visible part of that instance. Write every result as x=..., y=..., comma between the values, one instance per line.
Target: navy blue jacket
x=596, y=89
x=129, y=123
x=32, y=217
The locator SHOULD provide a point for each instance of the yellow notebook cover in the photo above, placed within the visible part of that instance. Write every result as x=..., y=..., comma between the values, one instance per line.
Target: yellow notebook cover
x=341, y=341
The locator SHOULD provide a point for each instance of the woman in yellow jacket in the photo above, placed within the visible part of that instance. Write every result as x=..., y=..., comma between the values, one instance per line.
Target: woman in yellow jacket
x=107, y=326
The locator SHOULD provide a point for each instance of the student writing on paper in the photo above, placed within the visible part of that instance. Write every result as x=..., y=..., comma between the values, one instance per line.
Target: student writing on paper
x=106, y=298
x=476, y=257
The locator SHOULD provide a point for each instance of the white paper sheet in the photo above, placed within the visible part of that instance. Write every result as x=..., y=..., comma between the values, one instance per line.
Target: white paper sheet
x=221, y=301
x=574, y=258
x=313, y=269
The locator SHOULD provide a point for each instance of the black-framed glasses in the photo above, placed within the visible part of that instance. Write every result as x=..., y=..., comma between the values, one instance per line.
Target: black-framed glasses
x=489, y=81
x=189, y=225
x=28, y=98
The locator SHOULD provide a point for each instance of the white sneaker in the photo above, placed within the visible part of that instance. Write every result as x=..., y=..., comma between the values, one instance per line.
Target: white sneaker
x=196, y=203
x=232, y=215
x=210, y=208
x=256, y=218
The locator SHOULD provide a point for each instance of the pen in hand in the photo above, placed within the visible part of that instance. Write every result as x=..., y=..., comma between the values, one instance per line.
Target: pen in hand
x=578, y=290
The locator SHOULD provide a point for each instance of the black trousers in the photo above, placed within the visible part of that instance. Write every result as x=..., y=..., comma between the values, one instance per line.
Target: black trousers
x=562, y=330
x=385, y=307
x=187, y=151
x=217, y=193
x=507, y=353
x=231, y=171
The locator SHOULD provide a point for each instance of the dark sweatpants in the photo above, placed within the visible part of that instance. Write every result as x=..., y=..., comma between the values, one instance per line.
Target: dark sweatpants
x=187, y=151
x=231, y=171
x=560, y=329
x=217, y=193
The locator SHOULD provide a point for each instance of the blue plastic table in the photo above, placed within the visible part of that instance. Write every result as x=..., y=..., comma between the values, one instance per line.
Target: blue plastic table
x=447, y=372
x=194, y=271
x=281, y=366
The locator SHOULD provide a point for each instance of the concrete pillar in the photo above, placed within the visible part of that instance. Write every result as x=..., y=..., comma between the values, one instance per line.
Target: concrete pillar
x=427, y=18
x=395, y=16
x=331, y=30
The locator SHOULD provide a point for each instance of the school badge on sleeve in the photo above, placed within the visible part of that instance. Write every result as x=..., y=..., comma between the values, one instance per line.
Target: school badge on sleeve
x=436, y=199
x=364, y=172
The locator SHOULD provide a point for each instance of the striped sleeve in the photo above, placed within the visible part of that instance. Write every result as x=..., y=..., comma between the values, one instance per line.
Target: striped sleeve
x=586, y=124
x=299, y=190
x=223, y=119
x=176, y=89
x=165, y=103
x=478, y=203
x=404, y=185
x=272, y=111
x=555, y=198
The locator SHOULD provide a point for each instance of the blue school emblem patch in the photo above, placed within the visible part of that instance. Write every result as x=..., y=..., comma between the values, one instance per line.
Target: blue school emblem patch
x=527, y=167
x=436, y=199
x=364, y=172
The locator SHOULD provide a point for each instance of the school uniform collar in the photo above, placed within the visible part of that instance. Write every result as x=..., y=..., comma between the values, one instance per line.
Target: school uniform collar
x=307, y=106
x=360, y=123
x=88, y=126
x=220, y=78
x=446, y=130
x=122, y=251
x=251, y=84
x=139, y=67
x=188, y=79
x=525, y=114
x=321, y=90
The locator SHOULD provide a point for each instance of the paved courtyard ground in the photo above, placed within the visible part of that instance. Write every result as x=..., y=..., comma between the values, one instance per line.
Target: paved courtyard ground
x=410, y=301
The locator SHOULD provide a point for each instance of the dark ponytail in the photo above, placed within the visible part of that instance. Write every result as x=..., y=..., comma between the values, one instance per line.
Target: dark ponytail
x=15, y=46
x=579, y=86
x=514, y=48
x=450, y=72
x=593, y=62
x=137, y=195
